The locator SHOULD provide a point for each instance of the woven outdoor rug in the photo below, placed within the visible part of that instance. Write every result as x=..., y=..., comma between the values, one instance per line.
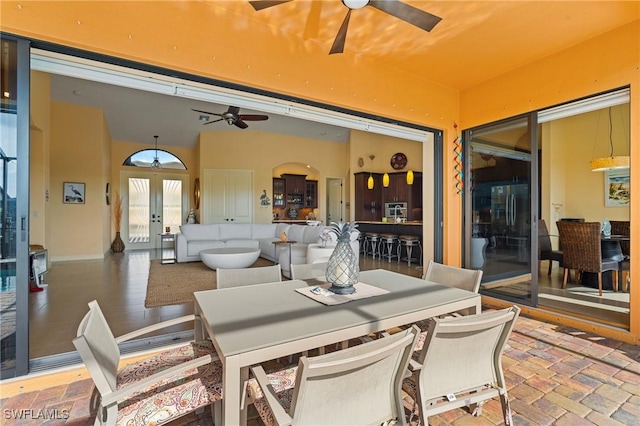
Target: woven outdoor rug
x=174, y=284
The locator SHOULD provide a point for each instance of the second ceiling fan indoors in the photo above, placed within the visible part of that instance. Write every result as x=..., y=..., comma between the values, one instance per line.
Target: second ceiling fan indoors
x=233, y=117
x=412, y=15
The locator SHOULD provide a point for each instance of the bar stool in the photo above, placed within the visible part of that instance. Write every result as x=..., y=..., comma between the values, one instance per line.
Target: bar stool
x=387, y=246
x=409, y=242
x=372, y=243
x=361, y=241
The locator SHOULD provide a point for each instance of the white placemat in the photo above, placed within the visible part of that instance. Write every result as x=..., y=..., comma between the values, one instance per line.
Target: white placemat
x=326, y=297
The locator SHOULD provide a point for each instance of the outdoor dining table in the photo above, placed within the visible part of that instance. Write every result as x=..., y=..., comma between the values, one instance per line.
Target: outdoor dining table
x=253, y=324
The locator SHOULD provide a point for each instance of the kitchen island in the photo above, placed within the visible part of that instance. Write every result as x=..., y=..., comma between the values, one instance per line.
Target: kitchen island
x=413, y=227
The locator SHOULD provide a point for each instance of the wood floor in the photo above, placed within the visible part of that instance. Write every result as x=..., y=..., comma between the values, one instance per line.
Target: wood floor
x=119, y=285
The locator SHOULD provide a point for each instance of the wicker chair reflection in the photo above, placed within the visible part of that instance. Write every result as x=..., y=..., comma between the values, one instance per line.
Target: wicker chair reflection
x=582, y=252
x=623, y=227
x=545, y=250
x=355, y=386
x=462, y=356
x=152, y=390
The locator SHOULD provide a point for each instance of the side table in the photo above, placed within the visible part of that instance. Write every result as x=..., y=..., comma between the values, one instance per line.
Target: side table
x=275, y=249
x=165, y=238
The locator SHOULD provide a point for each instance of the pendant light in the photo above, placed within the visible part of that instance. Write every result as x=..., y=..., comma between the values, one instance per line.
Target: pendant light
x=410, y=177
x=370, y=182
x=611, y=162
x=385, y=180
x=156, y=165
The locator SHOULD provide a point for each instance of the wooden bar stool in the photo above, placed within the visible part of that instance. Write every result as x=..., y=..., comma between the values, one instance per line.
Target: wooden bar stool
x=372, y=242
x=409, y=242
x=388, y=244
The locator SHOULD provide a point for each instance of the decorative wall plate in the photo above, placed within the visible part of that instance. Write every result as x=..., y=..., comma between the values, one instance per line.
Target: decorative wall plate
x=398, y=161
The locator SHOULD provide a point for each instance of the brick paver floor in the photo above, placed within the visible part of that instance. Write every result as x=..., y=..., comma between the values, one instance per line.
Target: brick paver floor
x=556, y=376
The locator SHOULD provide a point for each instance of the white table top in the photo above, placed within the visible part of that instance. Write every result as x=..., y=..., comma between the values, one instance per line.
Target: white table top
x=245, y=319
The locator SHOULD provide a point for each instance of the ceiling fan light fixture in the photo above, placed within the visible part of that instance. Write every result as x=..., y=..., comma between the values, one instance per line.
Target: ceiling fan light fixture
x=355, y=4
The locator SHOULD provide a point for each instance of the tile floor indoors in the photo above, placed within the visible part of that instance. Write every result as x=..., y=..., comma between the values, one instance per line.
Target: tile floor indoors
x=555, y=374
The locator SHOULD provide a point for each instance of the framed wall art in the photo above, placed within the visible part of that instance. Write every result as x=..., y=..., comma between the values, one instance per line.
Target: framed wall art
x=73, y=193
x=616, y=188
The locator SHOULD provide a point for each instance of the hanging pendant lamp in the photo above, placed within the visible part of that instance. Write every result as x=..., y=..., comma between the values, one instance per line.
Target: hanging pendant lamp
x=385, y=180
x=410, y=177
x=370, y=182
x=611, y=162
x=156, y=165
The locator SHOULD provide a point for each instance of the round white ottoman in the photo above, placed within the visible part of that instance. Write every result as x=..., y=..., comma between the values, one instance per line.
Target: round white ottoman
x=229, y=257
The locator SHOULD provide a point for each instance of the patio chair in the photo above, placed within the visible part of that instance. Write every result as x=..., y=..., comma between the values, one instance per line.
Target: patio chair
x=545, y=250
x=582, y=251
x=226, y=278
x=461, y=364
x=623, y=227
x=355, y=386
x=309, y=270
x=154, y=390
x=466, y=279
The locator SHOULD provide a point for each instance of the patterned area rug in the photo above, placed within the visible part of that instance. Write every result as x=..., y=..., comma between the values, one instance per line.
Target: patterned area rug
x=174, y=284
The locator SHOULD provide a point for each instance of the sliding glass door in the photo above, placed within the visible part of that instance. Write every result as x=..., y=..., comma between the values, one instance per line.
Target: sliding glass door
x=499, y=206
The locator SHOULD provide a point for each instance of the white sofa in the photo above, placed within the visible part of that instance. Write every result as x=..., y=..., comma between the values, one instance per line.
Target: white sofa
x=193, y=238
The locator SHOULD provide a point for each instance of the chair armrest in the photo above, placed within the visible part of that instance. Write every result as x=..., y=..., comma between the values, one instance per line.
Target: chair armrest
x=414, y=365
x=127, y=391
x=281, y=416
x=154, y=327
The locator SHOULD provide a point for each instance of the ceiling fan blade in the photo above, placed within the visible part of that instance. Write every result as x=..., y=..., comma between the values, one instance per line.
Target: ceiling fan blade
x=407, y=13
x=263, y=4
x=207, y=112
x=338, y=43
x=214, y=121
x=241, y=124
x=252, y=117
x=233, y=110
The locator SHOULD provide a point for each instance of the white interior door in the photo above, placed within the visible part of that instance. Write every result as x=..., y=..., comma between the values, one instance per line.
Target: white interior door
x=152, y=204
x=334, y=200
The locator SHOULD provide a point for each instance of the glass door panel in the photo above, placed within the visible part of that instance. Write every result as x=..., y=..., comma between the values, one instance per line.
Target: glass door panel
x=499, y=208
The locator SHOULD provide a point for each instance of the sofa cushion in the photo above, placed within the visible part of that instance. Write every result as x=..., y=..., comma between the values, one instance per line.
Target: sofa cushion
x=242, y=243
x=282, y=227
x=235, y=231
x=296, y=233
x=199, y=232
x=312, y=234
x=195, y=247
x=263, y=230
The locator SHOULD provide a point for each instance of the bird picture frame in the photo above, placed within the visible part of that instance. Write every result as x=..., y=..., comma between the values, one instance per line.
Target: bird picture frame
x=73, y=193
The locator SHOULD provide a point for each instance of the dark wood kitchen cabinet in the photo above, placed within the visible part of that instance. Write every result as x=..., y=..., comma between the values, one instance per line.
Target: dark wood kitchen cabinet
x=368, y=202
x=398, y=189
x=311, y=194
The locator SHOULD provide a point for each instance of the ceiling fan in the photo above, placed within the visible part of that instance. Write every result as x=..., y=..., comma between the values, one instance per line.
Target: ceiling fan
x=412, y=15
x=232, y=117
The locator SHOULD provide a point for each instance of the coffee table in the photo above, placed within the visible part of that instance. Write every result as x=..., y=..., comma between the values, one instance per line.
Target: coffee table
x=229, y=258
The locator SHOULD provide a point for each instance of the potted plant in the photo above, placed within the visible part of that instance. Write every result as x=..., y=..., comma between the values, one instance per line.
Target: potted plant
x=117, y=246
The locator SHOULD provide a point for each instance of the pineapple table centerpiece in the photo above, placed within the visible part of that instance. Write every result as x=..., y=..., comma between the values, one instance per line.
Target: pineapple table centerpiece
x=343, y=269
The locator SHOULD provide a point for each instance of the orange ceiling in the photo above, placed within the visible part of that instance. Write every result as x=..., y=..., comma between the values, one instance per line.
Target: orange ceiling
x=474, y=42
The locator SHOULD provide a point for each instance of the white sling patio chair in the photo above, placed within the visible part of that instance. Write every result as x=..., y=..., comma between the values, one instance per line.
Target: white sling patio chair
x=306, y=271
x=226, y=278
x=461, y=364
x=154, y=390
x=355, y=386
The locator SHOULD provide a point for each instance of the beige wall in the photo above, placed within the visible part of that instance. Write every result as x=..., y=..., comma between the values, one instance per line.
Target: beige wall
x=266, y=154
x=573, y=189
x=77, y=145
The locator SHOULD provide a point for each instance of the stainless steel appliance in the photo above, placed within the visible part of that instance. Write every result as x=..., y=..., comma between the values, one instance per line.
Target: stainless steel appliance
x=395, y=210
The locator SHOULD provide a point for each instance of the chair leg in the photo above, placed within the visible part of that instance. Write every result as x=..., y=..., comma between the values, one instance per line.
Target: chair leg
x=550, y=266
x=506, y=410
x=615, y=280
x=565, y=277
x=600, y=283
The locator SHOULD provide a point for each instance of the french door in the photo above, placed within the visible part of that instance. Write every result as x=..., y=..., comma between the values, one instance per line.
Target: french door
x=152, y=204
